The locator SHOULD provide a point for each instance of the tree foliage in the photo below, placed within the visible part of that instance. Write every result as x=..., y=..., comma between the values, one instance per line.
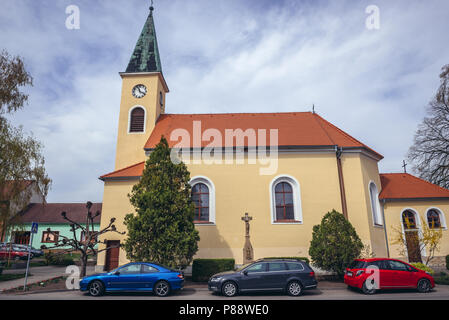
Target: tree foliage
x=430, y=150
x=429, y=240
x=21, y=157
x=335, y=243
x=162, y=228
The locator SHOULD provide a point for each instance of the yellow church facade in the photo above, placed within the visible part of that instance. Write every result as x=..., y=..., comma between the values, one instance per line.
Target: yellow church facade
x=286, y=170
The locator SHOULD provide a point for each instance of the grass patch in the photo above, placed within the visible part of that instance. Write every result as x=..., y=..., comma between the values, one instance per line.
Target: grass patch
x=12, y=276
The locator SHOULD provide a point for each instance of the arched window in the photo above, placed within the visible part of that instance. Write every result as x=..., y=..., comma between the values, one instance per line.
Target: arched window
x=200, y=197
x=203, y=196
x=286, y=200
x=434, y=219
x=375, y=206
x=409, y=220
x=137, y=120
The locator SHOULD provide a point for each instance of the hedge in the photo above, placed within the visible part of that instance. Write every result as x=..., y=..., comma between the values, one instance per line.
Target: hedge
x=423, y=267
x=58, y=259
x=203, y=269
x=291, y=258
x=447, y=262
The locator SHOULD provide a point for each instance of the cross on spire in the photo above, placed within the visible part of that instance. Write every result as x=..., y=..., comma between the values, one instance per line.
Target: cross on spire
x=404, y=165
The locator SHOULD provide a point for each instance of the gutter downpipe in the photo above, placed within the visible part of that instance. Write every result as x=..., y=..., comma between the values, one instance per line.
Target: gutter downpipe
x=338, y=152
x=385, y=229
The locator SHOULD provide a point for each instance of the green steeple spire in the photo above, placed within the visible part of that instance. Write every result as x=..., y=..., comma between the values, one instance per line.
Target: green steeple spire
x=145, y=57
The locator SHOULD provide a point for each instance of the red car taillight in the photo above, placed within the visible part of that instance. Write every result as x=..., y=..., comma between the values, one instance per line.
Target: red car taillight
x=180, y=276
x=312, y=274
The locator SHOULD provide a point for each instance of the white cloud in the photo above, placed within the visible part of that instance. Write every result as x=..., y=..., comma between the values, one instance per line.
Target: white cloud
x=224, y=56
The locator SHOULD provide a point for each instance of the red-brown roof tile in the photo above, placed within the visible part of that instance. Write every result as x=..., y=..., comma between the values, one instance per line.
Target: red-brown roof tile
x=406, y=186
x=134, y=170
x=300, y=129
x=51, y=212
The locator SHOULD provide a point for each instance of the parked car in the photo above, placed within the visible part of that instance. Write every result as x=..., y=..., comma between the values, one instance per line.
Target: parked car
x=135, y=276
x=35, y=252
x=12, y=252
x=371, y=275
x=287, y=275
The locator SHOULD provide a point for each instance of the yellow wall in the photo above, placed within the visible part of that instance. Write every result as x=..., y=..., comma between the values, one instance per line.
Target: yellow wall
x=393, y=211
x=239, y=189
x=130, y=145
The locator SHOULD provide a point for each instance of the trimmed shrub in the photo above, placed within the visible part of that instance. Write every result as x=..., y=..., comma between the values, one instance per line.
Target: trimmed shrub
x=335, y=244
x=447, y=262
x=423, y=267
x=58, y=259
x=203, y=269
x=291, y=258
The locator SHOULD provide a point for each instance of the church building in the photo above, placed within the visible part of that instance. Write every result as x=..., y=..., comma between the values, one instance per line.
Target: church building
x=286, y=170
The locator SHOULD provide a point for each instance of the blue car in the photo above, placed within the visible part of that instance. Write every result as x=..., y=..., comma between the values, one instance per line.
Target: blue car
x=135, y=276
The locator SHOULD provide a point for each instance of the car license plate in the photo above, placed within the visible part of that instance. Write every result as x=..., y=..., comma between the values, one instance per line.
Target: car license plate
x=349, y=273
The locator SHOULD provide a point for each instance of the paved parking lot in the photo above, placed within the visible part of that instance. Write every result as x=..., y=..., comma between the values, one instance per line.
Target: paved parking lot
x=325, y=291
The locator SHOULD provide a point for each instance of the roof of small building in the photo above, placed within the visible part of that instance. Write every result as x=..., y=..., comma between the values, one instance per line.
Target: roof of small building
x=407, y=186
x=129, y=172
x=51, y=212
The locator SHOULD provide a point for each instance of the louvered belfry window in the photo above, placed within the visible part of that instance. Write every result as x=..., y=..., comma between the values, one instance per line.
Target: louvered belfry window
x=137, y=123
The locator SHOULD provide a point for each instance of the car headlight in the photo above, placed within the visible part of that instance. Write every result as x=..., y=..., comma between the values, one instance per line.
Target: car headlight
x=216, y=278
x=359, y=273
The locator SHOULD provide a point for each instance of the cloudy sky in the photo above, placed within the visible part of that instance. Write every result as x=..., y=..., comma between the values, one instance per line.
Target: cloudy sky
x=224, y=56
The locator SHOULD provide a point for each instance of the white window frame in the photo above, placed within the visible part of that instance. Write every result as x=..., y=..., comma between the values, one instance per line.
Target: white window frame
x=376, y=213
x=297, y=208
x=442, y=217
x=418, y=227
x=202, y=179
x=144, y=120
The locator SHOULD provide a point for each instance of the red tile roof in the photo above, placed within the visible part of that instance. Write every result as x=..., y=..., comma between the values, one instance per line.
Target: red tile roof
x=132, y=171
x=300, y=129
x=406, y=186
x=51, y=212
x=296, y=129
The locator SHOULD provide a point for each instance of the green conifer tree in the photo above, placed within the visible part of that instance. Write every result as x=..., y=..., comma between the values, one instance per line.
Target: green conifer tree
x=335, y=243
x=162, y=228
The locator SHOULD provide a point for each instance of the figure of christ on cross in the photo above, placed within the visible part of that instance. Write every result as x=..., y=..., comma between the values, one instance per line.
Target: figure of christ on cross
x=248, y=254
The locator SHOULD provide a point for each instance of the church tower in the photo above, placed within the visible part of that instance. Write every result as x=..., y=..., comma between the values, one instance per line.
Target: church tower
x=143, y=98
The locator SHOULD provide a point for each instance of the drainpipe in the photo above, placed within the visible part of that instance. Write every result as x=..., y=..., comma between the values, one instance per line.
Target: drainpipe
x=338, y=152
x=385, y=229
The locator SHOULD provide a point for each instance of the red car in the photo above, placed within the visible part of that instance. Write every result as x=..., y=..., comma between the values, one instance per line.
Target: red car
x=370, y=275
x=14, y=254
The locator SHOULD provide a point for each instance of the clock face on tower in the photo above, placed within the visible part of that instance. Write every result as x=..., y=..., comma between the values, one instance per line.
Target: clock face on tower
x=139, y=91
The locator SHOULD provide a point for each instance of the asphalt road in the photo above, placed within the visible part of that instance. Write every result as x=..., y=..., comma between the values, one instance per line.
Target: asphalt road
x=189, y=293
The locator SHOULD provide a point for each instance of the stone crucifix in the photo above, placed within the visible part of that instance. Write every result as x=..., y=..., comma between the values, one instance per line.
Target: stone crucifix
x=248, y=253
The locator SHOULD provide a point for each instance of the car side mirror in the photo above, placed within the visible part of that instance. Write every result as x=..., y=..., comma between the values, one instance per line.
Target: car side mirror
x=117, y=273
x=245, y=273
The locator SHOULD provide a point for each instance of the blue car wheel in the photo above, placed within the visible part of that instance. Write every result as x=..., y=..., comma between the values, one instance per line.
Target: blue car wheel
x=96, y=288
x=162, y=288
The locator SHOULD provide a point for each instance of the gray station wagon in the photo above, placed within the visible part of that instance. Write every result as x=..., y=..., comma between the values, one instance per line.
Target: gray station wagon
x=287, y=275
